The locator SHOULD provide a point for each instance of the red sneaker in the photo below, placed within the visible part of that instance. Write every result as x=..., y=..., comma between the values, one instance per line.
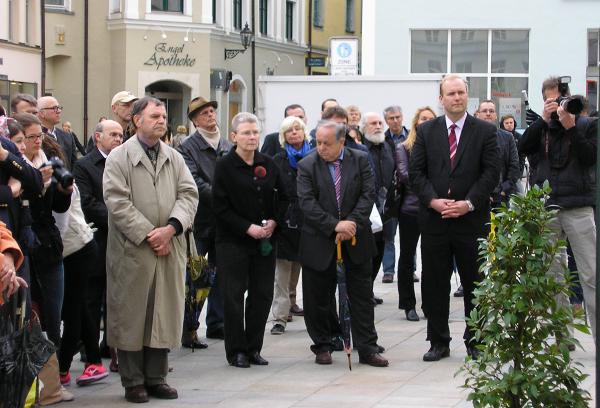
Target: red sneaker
x=65, y=379
x=92, y=373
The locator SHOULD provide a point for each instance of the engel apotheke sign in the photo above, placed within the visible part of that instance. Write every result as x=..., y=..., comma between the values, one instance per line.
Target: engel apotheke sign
x=343, y=55
x=170, y=56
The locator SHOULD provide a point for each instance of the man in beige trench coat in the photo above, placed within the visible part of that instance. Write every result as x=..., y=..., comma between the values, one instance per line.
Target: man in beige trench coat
x=151, y=199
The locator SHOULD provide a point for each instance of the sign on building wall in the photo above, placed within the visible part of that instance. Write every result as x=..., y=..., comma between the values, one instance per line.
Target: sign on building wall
x=343, y=56
x=170, y=56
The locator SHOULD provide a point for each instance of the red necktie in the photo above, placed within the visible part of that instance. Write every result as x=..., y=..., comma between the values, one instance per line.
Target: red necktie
x=453, y=144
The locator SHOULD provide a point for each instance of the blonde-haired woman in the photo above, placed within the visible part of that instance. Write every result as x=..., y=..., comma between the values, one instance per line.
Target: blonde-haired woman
x=407, y=218
x=294, y=141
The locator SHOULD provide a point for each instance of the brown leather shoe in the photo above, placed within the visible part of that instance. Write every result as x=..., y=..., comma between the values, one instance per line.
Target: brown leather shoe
x=375, y=360
x=296, y=310
x=162, y=391
x=323, y=357
x=136, y=394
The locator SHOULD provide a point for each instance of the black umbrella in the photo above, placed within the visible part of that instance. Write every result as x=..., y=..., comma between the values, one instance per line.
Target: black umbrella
x=344, y=303
x=23, y=352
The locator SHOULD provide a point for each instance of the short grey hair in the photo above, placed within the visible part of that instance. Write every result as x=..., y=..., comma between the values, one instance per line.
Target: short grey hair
x=340, y=129
x=243, y=117
x=390, y=109
x=99, y=128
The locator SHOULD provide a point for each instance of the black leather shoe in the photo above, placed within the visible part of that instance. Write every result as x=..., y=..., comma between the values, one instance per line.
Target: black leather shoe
x=459, y=292
x=190, y=340
x=136, y=394
x=256, y=359
x=387, y=278
x=277, y=329
x=380, y=349
x=411, y=315
x=337, y=343
x=415, y=278
x=375, y=360
x=240, y=360
x=323, y=358
x=376, y=300
x=473, y=352
x=436, y=353
x=162, y=391
x=216, y=334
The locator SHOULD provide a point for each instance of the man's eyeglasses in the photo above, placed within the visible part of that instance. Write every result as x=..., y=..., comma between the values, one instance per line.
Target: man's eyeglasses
x=56, y=108
x=34, y=136
x=487, y=111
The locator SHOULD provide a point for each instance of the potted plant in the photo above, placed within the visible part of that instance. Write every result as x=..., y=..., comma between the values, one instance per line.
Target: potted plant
x=522, y=334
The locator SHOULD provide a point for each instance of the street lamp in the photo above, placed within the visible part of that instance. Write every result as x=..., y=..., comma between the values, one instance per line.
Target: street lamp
x=246, y=36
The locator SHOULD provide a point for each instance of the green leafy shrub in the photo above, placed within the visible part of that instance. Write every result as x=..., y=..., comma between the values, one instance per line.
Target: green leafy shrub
x=516, y=318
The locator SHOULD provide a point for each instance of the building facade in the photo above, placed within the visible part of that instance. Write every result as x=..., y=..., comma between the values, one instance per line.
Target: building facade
x=327, y=19
x=171, y=49
x=502, y=48
x=20, y=49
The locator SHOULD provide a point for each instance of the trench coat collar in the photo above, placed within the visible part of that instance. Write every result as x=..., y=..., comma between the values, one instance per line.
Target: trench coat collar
x=138, y=155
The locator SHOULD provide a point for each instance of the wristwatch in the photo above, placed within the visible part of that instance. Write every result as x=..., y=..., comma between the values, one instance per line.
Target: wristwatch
x=470, y=204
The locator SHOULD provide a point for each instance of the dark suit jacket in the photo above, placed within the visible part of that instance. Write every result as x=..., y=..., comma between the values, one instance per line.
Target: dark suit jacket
x=65, y=140
x=88, y=173
x=271, y=145
x=316, y=195
x=475, y=174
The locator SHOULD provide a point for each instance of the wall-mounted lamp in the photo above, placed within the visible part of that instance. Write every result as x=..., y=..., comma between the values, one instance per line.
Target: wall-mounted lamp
x=246, y=37
x=186, y=38
x=163, y=35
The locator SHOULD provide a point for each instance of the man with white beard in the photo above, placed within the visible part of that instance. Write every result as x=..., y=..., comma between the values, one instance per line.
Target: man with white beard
x=382, y=157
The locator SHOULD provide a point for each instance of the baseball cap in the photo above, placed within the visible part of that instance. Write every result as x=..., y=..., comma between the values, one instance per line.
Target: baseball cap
x=123, y=97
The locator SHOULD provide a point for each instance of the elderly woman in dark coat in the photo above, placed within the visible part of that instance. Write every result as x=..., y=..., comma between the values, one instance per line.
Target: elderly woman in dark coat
x=294, y=141
x=248, y=200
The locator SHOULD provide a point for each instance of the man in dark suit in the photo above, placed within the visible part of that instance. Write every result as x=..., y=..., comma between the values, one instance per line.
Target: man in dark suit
x=454, y=168
x=49, y=113
x=336, y=192
x=88, y=172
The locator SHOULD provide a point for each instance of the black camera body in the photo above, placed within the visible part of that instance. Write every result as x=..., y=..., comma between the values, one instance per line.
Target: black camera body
x=571, y=104
x=60, y=173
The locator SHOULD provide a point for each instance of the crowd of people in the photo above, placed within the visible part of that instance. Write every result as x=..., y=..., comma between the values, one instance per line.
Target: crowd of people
x=107, y=247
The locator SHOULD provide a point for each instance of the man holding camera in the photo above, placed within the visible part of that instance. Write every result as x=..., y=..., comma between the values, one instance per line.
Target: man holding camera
x=566, y=146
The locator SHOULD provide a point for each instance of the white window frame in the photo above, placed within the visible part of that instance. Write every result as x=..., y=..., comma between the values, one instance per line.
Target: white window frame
x=488, y=75
x=184, y=17
x=66, y=6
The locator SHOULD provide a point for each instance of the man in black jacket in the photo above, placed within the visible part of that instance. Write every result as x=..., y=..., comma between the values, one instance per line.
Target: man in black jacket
x=566, y=147
x=509, y=158
x=383, y=159
x=453, y=170
x=336, y=193
x=49, y=114
x=201, y=151
x=88, y=172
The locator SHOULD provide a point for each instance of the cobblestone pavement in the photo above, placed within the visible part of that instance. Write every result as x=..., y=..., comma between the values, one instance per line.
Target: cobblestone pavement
x=292, y=379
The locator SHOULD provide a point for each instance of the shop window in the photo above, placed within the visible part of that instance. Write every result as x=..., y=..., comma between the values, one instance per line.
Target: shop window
x=175, y=6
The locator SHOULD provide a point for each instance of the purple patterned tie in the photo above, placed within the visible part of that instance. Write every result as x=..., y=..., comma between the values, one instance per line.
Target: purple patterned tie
x=452, y=142
x=337, y=181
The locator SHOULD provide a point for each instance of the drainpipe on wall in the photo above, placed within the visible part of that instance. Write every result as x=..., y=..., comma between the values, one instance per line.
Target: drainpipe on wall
x=253, y=19
x=43, y=46
x=310, y=12
x=85, y=70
